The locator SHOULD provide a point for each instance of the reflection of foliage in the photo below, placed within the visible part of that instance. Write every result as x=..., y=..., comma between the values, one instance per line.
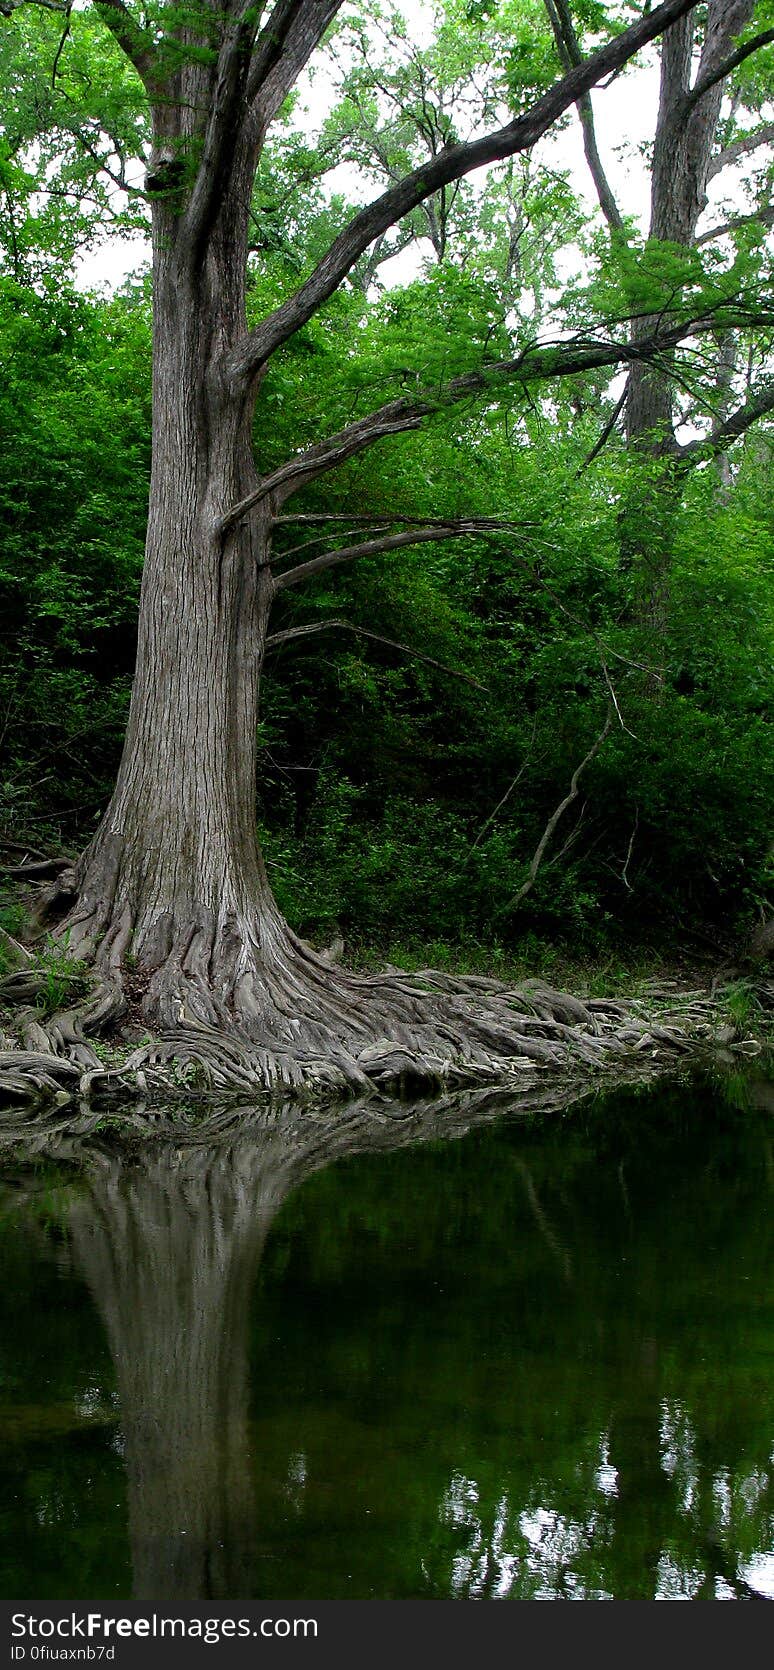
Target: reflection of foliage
x=531, y=1361
x=593, y=1380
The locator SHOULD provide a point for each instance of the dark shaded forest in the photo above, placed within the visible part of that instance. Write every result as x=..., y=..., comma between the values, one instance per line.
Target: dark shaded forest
x=403, y=791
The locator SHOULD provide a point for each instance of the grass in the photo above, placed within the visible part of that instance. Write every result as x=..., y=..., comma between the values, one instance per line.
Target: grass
x=63, y=978
x=596, y=972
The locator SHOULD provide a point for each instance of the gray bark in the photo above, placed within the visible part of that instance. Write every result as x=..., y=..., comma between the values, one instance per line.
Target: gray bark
x=682, y=159
x=174, y=869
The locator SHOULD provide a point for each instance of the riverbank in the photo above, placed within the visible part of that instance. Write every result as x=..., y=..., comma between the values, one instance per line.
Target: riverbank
x=407, y=1021
x=619, y=1041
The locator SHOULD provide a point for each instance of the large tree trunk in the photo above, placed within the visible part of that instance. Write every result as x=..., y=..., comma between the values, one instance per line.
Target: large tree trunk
x=173, y=880
x=170, y=902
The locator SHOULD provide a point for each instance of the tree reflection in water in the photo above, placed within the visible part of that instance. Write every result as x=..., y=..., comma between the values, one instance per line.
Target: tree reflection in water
x=528, y=1364
x=170, y=1243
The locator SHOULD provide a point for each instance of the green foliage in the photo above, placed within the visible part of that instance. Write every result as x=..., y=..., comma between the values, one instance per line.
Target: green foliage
x=381, y=777
x=398, y=800
x=72, y=113
x=63, y=978
x=74, y=419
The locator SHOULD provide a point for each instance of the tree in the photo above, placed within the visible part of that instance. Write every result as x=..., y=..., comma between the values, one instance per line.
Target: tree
x=701, y=61
x=170, y=903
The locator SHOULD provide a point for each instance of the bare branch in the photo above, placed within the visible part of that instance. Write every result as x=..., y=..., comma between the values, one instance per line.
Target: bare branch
x=325, y=455
x=372, y=548
x=606, y=432
x=571, y=55
x=762, y=217
x=451, y=163
x=306, y=545
x=62, y=41
x=711, y=446
x=319, y=516
x=509, y=791
x=741, y=148
x=719, y=72
x=555, y=817
x=630, y=850
x=293, y=632
x=614, y=698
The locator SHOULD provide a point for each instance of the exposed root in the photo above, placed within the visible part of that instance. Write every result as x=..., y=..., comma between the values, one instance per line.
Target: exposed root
x=340, y=1034
x=233, y=1004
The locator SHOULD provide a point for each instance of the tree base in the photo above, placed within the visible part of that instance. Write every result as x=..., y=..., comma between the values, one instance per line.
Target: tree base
x=173, y=1006
x=321, y=1033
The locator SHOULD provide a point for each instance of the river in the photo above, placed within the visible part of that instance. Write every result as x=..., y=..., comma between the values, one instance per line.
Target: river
x=484, y=1355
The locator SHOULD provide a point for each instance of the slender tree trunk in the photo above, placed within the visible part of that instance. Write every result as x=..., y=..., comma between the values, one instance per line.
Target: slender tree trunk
x=682, y=157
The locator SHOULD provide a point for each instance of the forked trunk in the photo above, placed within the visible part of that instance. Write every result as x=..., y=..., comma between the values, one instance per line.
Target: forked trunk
x=170, y=902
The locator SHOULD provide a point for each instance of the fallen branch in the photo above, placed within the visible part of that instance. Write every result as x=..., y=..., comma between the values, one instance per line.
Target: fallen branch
x=555, y=817
x=509, y=791
x=39, y=870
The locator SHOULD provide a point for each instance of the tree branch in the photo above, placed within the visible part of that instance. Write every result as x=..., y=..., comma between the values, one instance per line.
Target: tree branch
x=325, y=455
x=762, y=217
x=514, y=783
x=62, y=41
x=570, y=54
x=545, y=838
x=606, y=432
x=286, y=637
x=452, y=163
x=372, y=548
x=720, y=71
x=226, y=122
x=283, y=48
x=741, y=148
x=481, y=527
x=8, y=7
x=711, y=446
x=135, y=41
x=398, y=416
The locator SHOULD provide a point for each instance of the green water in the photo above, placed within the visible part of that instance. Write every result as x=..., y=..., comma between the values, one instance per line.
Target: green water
x=534, y=1360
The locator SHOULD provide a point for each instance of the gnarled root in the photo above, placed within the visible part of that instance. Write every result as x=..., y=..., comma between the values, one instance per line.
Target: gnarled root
x=247, y=1009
